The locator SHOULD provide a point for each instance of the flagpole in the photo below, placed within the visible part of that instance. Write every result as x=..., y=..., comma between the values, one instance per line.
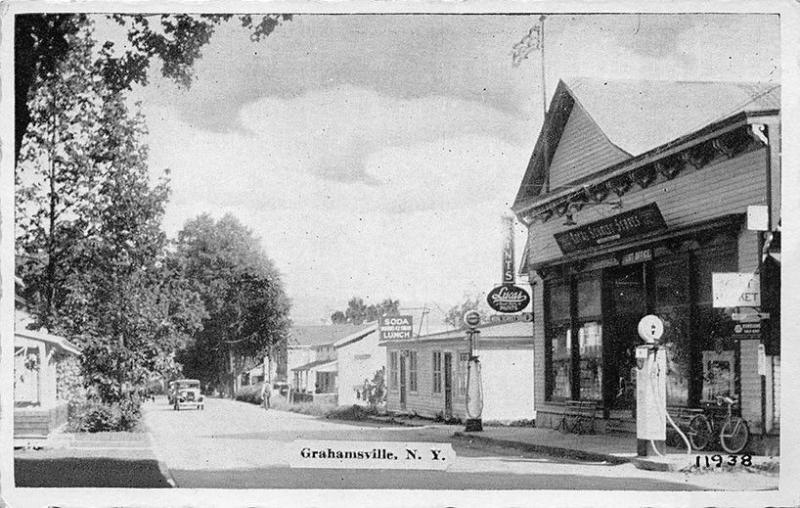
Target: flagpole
x=544, y=106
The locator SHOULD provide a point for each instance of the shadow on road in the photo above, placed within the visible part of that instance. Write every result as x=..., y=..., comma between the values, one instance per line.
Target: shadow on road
x=88, y=472
x=383, y=479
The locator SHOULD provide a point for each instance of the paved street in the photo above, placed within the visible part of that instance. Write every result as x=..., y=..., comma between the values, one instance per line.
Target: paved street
x=237, y=445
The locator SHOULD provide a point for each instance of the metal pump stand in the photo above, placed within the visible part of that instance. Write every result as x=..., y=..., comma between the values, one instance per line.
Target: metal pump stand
x=474, y=400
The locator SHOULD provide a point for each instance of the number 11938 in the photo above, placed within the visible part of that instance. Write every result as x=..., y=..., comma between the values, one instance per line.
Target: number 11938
x=720, y=460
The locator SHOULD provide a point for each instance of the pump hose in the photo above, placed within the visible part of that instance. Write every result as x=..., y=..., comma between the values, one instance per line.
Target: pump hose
x=671, y=422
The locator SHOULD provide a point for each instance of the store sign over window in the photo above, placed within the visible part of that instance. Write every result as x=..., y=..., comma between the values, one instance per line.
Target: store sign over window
x=639, y=221
x=396, y=327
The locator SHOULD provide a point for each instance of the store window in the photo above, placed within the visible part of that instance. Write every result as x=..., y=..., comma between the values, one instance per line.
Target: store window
x=393, y=384
x=412, y=371
x=716, y=374
x=437, y=372
x=590, y=336
x=559, y=341
x=672, y=305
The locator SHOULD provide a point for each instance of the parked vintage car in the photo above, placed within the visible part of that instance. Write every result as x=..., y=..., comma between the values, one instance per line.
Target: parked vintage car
x=185, y=393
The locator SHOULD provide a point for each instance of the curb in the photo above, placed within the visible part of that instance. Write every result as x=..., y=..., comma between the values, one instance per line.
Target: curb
x=554, y=451
x=162, y=466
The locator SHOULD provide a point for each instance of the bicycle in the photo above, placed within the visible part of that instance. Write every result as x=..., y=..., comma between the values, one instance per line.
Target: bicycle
x=732, y=431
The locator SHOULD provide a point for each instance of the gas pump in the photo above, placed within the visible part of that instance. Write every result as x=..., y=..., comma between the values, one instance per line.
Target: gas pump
x=651, y=389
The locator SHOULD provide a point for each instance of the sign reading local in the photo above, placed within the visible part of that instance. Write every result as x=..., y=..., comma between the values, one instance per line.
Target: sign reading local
x=736, y=289
x=639, y=221
x=396, y=327
x=508, y=298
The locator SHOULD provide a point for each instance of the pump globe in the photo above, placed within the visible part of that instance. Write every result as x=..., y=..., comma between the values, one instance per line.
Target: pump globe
x=651, y=328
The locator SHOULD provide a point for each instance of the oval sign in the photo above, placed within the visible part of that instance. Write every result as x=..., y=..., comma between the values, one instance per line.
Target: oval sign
x=508, y=298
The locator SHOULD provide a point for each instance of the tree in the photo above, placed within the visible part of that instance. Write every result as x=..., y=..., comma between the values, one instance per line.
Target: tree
x=455, y=316
x=242, y=293
x=90, y=247
x=43, y=41
x=358, y=312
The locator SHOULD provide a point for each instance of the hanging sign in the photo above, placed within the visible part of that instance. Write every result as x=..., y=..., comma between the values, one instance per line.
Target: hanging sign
x=508, y=298
x=525, y=317
x=396, y=327
x=636, y=222
x=747, y=330
x=508, y=252
x=736, y=289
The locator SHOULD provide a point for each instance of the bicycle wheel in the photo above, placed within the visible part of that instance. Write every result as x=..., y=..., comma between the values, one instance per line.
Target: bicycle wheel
x=734, y=435
x=699, y=432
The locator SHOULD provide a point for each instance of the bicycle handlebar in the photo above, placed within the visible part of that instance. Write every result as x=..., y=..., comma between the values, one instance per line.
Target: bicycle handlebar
x=725, y=399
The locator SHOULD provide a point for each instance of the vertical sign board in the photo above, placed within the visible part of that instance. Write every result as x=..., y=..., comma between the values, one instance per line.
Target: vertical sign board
x=508, y=251
x=736, y=289
x=396, y=327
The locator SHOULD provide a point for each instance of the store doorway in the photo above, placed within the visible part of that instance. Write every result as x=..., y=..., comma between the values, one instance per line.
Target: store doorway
x=402, y=381
x=448, y=386
x=626, y=303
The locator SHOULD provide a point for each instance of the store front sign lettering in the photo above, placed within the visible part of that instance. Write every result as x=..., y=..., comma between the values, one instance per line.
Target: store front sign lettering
x=645, y=219
x=396, y=327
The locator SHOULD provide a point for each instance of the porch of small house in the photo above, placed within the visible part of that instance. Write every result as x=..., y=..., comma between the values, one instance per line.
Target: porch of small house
x=38, y=423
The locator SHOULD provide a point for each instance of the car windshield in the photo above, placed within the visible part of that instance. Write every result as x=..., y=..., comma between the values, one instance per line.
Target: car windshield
x=188, y=384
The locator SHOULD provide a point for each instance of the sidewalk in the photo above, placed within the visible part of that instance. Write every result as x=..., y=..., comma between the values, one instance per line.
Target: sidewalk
x=103, y=459
x=613, y=448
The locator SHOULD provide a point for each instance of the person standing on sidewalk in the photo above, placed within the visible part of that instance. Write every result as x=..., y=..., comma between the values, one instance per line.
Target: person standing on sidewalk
x=265, y=393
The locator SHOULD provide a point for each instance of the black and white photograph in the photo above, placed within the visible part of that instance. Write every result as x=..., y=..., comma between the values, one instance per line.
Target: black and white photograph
x=280, y=253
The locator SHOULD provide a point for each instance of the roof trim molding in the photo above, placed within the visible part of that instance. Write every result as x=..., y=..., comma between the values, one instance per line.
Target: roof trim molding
x=727, y=138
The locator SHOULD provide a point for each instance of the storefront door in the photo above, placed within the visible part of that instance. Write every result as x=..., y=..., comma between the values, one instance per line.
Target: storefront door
x=448, y=386
x=625, y=305
x=402, y=381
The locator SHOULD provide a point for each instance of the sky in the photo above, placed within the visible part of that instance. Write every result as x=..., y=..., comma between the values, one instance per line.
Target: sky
x=374, y=155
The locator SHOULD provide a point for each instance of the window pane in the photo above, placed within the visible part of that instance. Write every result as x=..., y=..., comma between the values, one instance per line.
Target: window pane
x=589, y=291
x=560, y=343
x=679, y=350
x=718, y=257
x=559, y=301
x=590, y=345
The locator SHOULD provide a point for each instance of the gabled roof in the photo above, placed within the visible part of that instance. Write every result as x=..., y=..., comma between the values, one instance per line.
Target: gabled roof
x=319, y=335
x=639, y=115
x=357, y=336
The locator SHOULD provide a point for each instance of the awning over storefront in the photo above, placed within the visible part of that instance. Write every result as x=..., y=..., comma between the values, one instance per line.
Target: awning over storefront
x=319, y=366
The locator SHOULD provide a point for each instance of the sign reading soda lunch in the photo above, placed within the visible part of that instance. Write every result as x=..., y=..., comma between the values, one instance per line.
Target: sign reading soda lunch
x=639, y=221
x=396, y=327
x=508, y=298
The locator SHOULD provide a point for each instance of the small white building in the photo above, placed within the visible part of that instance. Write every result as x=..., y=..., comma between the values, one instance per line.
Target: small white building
x=358, y=357
x=39, y=407
x=427, y=375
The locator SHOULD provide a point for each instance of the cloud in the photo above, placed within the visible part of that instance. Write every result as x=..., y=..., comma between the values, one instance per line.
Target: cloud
x=348, y=149
x=331, y=132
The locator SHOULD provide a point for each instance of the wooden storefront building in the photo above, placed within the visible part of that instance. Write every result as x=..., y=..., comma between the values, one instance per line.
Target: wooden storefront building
x=427, y=374
x=636, y=193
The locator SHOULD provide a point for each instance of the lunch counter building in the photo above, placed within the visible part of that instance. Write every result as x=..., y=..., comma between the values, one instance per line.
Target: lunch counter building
x=427, y=375
x=637, y=193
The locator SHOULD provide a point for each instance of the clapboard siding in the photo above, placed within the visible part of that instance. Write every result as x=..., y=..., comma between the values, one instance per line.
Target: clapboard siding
x=538, y=342
x=751, y=384
x=722, y=187
x=582, y=149
x=503, y=400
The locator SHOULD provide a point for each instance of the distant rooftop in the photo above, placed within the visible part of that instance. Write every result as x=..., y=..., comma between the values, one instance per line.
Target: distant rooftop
x=318, y=335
